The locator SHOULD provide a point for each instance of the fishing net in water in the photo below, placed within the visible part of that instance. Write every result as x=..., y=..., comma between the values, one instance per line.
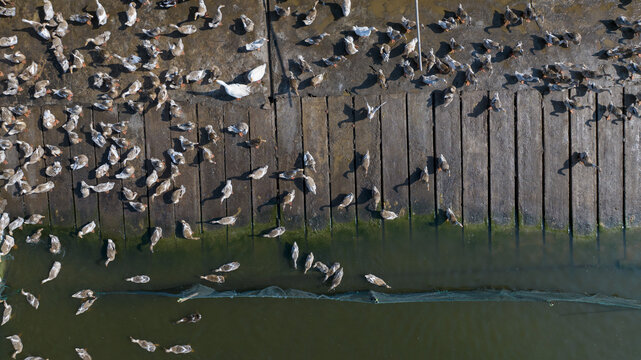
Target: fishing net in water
x=481, y=295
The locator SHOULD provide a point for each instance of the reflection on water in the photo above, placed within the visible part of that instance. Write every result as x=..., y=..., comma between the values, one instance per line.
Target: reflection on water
x=276, y=328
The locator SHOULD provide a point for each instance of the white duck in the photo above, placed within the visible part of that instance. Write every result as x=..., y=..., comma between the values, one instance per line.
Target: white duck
x=257, y=73
x=236, y=91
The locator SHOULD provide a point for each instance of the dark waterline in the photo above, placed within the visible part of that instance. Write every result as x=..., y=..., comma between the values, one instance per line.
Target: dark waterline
x=279, y=328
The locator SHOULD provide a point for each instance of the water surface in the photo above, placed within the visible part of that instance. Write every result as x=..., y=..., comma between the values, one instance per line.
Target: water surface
x=293, y=328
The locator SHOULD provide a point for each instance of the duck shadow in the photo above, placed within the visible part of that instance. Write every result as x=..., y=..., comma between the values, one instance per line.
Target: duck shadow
x=364, y=196
x=396, y=74
x=145, y=240
x=440, y=218
x=610, y=25
x=405, y=182
x=567, y=164
x=374, y=54
x=337, y=201
x=622, y=72
x=459, y=79
x=503, y=55
x=335, y=9
x=538, y=44
x=497, y=22
x=558, y=107
x=600, y=112
x=274, y=201
x=443, y=49
x=31, y=31
x=216, y=194
x=481, y=107
x=349, y=112
x=435, y=28
x=623, y=4
x=369, y=82
x=237, y=27
x=122, y=17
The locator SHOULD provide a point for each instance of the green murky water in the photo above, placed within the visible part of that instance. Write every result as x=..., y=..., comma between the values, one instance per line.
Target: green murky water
x=294, y=328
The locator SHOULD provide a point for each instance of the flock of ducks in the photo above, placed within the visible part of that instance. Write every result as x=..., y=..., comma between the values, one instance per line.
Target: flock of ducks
x=54, y=27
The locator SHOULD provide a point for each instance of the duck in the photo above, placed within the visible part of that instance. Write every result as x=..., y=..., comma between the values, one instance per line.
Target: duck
x=101, y=14
x=256, y=44
x=347, y=200
x=132, y=15
x=451, y=218
x=53, y=273
x=188, y=233
x=294, y=255
x=144, y=344
x=217, y=20
x=237, y=91
x=311, y=15
x=375, y=280
x=288, y=199
x=256, y=74
x=229, y=267
x=86, y=229
x=363, y=31
x=336, y=280
x=156, y=235
x=139, y=279
x=259, y=173
x=227, y=191
x=218, y=279
x=84, y=307
x=111, y=252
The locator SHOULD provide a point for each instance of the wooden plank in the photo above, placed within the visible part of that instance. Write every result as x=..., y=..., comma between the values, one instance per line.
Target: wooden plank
x=188, y=208
x=529, y=158
x=37, y=203
x=632, y=162
x=394, y=144
x=584, y=190
x=111, y=207
x=556, y=161
x=87, y=208
x=315, y=141
x=15, y=203
x=610, y=174
x=264, y=191
x=420, y=127
x=290, y=156
x=502, y=172
x=367, y=138
x=61, y=198
x=136, y=223
x=475, y=155
x=447, y=126
x=237, y=167
x=161, y=211
x=341, y=156
x=212, y=174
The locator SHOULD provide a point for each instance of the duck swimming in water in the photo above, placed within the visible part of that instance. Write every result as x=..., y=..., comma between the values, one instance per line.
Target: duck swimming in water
x=179, y=349
x=111, y=252
x=139, y=279
x=146, y=345
x=84, y=307
x=191, y=318
x=16, y=342
x=229, y=267
x=375, y=280
x=53, y=273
